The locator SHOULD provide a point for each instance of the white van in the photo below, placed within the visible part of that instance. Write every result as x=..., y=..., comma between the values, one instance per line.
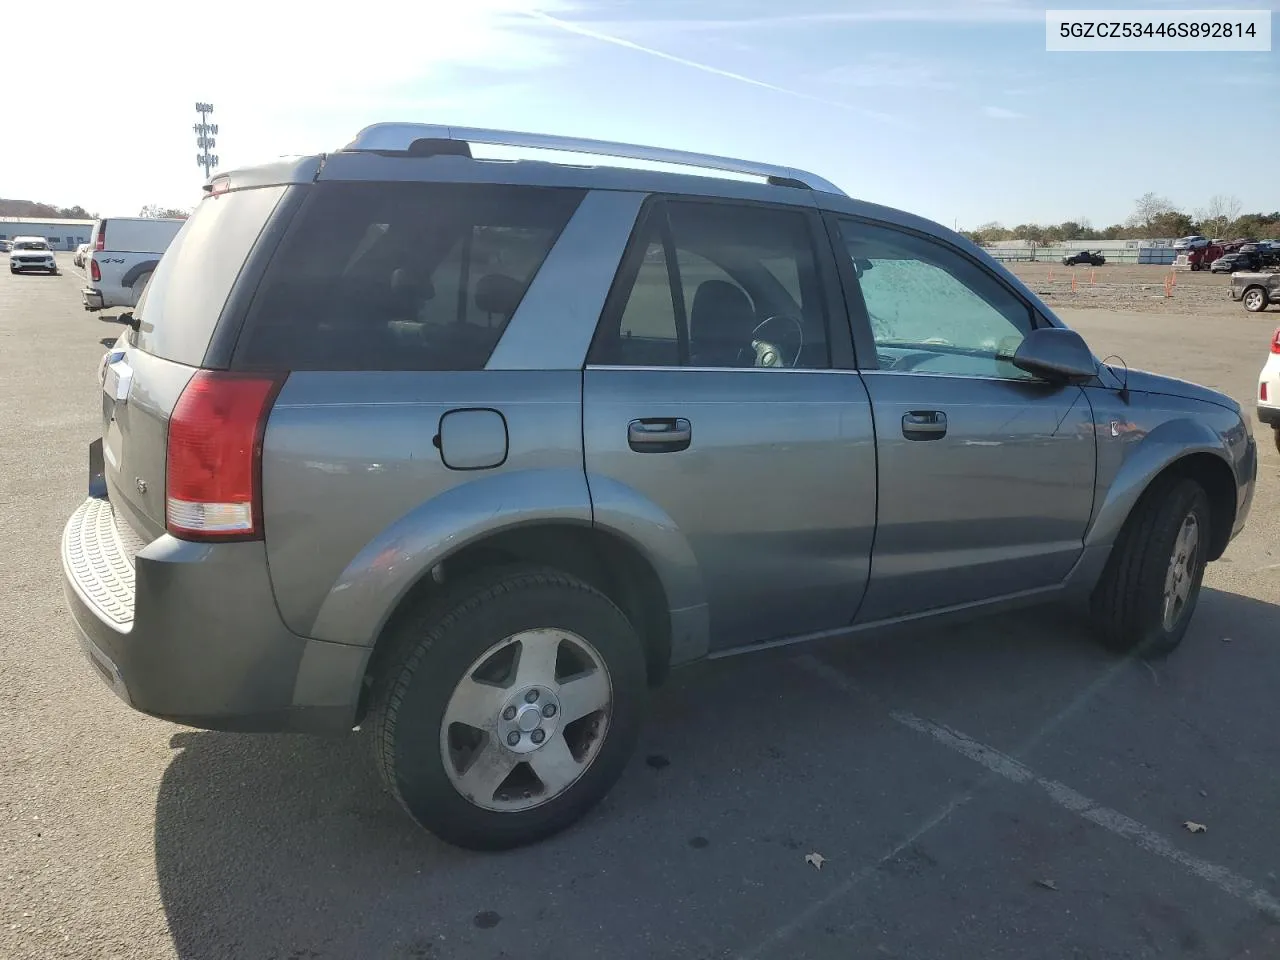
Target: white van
x=123, y=253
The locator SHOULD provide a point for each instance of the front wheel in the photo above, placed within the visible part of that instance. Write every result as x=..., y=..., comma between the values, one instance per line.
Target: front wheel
x=1255, y=299
x=1151, y=583
x=509, y=707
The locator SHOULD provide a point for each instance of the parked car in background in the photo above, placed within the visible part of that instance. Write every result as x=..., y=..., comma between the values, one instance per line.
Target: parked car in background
x=1269, y=389
x=1193, y=242
x=1257, y=256
x=123, y=253
x=1231, y=262
x=5, y=245
x=32, y=253
x=1086, y=258
x=1255, y=290
x=81, y=251
x=472, y=455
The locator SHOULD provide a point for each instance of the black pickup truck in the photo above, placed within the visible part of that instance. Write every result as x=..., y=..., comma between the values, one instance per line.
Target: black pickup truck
x=1085, y=258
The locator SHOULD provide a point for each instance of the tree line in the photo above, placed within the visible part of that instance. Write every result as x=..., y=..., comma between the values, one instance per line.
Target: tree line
x=43, y=211
x=1153, y=217
x=33, y=210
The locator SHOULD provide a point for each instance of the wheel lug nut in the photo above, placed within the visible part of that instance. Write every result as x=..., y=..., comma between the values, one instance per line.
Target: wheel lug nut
x=531, y=696
x=509, y=713
x=549, y=710
x=513, y=738
x=537, y=736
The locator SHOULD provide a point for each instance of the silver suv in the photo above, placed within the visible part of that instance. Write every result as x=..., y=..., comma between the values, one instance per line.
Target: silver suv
x=471, y=452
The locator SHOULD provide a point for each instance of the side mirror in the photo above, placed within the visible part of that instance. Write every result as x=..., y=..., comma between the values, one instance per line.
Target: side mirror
x=1056, y=354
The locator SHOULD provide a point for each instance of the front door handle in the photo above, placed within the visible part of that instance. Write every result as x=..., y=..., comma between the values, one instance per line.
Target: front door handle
x=659, y=434
x=924, y=425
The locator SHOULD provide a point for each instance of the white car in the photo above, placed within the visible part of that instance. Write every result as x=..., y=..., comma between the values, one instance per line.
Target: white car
x=32, y=253
x=81, y=252
x=1193, y=242
x=1269, y=389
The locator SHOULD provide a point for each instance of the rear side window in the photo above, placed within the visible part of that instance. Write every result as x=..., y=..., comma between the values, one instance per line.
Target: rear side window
x=181, y=304
x=401, y=276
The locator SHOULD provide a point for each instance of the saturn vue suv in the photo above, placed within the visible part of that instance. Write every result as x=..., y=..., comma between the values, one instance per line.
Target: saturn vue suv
x=469, y=453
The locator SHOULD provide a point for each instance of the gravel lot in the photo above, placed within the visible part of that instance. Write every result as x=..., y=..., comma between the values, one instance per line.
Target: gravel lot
x=1133, y=287
x=1001, y=790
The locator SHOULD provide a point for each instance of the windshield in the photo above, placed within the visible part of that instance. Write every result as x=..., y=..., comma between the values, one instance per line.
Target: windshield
x=31, y=245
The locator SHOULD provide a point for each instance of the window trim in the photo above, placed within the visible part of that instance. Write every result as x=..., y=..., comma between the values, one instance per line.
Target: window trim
x=840, y=349
x=860, y=319
x=675, y=283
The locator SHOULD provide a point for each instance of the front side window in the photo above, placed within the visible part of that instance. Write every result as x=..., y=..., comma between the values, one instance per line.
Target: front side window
x=931, y=309
x=718, y=285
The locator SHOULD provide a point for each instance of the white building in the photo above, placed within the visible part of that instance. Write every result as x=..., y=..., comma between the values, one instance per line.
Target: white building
x=61, y=234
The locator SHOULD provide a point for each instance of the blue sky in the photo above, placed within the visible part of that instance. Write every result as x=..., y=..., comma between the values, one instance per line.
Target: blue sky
x=949, y=108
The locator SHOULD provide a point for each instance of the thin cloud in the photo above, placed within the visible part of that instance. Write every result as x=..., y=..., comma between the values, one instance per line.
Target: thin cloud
x=583, y=31
x=1003, y=113
x=884, y=70
x=948, y=13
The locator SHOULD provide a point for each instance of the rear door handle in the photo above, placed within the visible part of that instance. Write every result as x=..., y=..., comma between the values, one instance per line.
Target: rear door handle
x=659, y=434
x=924, y=425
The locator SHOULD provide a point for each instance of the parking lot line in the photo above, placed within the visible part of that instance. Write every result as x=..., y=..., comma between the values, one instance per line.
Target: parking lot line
x=1111, y=820
x=1005, y=766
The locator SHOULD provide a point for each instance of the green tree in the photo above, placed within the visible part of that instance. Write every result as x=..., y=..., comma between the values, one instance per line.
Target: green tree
x=159, y=212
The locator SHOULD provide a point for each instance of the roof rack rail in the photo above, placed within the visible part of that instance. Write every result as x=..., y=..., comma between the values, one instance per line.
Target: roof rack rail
x=398, y=137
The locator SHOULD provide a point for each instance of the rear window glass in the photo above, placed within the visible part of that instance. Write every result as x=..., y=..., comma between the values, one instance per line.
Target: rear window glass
x=181, y=304
x=401, y=276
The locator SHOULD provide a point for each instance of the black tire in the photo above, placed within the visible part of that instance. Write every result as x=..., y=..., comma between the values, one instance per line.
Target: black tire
x=1128, y=602
x=431, y=651
x=1255, y=299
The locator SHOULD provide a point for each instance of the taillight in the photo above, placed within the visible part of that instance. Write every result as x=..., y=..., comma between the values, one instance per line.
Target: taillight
x=100, y=243
x=95, y=272
x=1262, y=391
x=213, y=480
x=1275, y=342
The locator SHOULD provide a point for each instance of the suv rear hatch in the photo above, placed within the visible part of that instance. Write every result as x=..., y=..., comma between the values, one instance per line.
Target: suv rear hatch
x=174, y=325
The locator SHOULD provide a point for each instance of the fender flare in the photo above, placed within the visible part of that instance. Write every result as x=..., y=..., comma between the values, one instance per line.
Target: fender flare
x=371, y=587
x=137, y=270
x=1148, y=457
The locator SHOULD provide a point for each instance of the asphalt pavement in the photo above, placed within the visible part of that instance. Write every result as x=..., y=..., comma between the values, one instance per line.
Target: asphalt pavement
x=1005, y=789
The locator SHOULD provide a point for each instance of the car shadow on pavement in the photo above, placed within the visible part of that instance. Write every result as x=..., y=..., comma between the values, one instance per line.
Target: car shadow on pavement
x=288, y=846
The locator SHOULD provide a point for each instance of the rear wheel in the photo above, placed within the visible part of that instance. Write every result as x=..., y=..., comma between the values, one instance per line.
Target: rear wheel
x=1255, y=299
x=1151, y=584
x=509, y=707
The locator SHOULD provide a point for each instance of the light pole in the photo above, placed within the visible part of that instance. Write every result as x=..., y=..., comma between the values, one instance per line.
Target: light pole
x=204, y=131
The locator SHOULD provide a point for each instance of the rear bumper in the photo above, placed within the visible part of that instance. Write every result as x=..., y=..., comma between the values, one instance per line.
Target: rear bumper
x=92, y=299
x=1269, y=415
x=190, y=633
